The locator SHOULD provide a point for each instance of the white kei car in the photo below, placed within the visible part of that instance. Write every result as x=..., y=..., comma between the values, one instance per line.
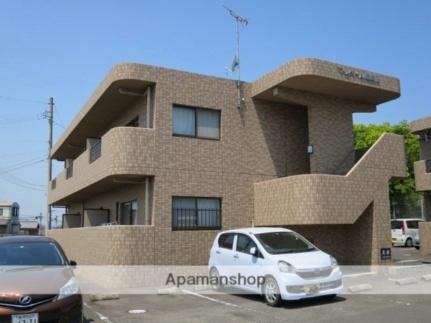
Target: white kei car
x=292, y=268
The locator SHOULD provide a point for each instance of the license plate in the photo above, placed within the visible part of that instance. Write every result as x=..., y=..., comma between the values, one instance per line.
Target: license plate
x=26, y=318
x=311, y=289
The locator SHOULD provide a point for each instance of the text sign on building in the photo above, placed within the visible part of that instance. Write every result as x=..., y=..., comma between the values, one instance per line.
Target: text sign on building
x=385, y=254
x=360, y=75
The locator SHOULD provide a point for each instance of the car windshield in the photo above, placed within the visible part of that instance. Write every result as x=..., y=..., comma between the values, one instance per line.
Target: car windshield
x=30, y=254
x=284, y=242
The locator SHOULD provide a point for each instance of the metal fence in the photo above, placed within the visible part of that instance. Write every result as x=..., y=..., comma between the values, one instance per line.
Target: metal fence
x=95, y=151
x=196, y=219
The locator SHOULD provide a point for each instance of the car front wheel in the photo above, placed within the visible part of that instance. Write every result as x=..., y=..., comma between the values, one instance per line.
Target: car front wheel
x=271, y=292
x=215, y=279
x=409, y=243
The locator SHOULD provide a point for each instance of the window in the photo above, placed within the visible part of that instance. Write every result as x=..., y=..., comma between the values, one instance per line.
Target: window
x=95, y=150
x=413, y=224
x=244, y=244
x=190, y=213
x=133, y=123
x=1, y=211
x=396, y=225
x=129, y=212
x=196, y=122
x=69, y=170
x=226, y=241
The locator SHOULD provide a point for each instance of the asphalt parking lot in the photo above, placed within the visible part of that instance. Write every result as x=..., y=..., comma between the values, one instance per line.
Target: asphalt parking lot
x=198, y=307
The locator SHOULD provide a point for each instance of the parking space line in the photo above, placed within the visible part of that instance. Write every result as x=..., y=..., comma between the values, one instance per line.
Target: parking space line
x=209, y=298
x=100, y=315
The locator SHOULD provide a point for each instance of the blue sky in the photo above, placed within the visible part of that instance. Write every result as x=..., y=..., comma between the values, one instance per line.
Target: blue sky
x=64, y=48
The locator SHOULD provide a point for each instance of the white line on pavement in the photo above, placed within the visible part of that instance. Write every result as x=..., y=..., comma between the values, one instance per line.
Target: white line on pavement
x=209, y=298
x=100, y=315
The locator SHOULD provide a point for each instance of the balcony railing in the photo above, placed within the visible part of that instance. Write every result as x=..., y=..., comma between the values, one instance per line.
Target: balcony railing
x=196, y=219
x=428, y=166
x=69, y=171
x=95, y=151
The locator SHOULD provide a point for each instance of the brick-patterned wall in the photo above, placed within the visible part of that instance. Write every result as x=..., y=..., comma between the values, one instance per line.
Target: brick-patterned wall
x=423, y=179
x=261, y=141
x=331, y=199
x=425, y=236
x=114, y=245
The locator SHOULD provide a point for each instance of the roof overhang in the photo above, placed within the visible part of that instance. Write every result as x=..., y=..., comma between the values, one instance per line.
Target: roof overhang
x=93, y=122
x=106, y=184
x=421, y=125
x=106, y=103
x=322, y=77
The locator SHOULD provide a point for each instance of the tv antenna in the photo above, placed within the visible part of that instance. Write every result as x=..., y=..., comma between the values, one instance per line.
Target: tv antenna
x=236, y=66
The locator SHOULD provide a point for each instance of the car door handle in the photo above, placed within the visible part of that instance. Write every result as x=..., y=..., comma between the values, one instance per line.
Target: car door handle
x=236, y=256
x=218, y=252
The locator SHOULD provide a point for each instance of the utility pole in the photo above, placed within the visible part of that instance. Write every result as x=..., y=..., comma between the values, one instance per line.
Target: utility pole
x=50, y=116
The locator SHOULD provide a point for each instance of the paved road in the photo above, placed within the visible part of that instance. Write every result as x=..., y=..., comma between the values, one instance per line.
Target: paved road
x=227, y=308
x=197, y=307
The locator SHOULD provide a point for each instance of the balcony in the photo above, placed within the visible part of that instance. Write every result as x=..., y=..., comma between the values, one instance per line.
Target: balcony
x=423, y=175
x=124, y=153
x=331, y=199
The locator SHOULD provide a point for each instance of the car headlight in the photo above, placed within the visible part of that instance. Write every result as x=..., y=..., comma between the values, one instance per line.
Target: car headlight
x=285, y=267
x=334, y=262
x=69, y=289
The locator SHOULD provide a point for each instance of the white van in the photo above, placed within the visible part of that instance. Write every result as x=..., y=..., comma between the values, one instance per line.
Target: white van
x=291, y=267
x=405, y=231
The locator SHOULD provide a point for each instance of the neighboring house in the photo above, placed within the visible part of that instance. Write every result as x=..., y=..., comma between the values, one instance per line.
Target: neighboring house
x=159, y=160
x=29, y=227
x=9, y=217
x=422, y=127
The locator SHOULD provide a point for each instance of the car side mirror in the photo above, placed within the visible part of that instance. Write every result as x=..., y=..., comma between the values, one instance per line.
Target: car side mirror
x=73, y=263
x=253, y=251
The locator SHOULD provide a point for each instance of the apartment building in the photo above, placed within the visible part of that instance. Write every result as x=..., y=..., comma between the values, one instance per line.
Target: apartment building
x=422, y=128
x=159, y=160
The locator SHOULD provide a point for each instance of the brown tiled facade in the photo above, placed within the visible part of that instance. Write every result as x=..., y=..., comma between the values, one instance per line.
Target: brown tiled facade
x=422, y=128
x=284, y=158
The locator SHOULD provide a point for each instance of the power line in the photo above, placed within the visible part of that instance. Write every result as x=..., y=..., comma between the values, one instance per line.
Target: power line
x=22, y=185
x=12, y=98
x=22, y=163
x=21, y=167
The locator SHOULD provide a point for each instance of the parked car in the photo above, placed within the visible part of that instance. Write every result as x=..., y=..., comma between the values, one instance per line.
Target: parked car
x=37, y=282
x=404, y=231
x=292, y=267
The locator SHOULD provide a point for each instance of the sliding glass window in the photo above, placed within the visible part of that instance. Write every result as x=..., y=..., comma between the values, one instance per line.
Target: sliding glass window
x=196, y=122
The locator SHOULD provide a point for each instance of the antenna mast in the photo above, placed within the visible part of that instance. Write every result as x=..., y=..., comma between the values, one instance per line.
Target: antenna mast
x=236, y=66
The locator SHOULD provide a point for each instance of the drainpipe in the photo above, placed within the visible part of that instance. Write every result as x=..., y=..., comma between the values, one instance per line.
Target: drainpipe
x=148, y=116
x=147, y=200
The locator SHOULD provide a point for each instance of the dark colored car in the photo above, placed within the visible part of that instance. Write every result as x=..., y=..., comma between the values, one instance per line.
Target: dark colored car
x=37, y=282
